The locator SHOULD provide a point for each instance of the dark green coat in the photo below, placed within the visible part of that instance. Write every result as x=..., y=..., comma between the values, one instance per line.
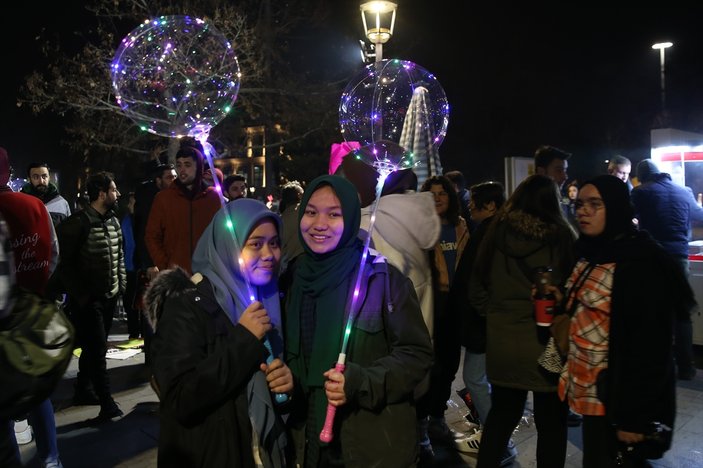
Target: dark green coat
x=513, y=340
x=389, y=353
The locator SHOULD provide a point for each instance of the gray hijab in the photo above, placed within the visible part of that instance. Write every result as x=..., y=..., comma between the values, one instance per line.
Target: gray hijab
x=216, y=257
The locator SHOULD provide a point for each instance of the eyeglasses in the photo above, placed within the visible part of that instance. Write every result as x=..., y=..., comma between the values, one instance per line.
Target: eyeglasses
x=591, y=205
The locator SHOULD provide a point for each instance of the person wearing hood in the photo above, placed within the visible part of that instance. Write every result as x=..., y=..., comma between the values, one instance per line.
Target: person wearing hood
x=210, y=350
x=666, y=210
x=180, y=214
x=397, y=235
x=623, y=296
x=40, y=187
x=528, y=232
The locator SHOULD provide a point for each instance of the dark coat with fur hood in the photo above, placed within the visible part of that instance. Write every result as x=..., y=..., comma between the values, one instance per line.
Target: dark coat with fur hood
x=521, y=242
x=202, y=364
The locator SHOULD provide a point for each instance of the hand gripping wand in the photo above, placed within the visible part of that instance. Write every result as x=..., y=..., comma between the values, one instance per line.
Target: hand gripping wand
x=202, y=137
x=384, y=168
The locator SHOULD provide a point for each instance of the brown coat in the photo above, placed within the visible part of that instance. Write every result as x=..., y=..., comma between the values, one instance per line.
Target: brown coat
x=175, y=224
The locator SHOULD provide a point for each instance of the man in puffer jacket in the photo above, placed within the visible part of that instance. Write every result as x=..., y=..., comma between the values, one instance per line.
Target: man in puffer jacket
x=92, y=272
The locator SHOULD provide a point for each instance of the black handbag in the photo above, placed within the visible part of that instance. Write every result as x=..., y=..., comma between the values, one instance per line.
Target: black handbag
x=657, y=440
x=657, y=437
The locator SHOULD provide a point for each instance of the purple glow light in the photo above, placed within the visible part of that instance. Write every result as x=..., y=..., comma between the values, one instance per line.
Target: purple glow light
x=174, y=74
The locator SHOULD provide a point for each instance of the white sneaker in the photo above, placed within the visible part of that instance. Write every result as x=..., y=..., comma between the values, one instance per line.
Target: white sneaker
x=23, y=432
x=470, y=443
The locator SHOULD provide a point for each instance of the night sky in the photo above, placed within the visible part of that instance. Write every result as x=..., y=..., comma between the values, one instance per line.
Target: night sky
x=583, y=79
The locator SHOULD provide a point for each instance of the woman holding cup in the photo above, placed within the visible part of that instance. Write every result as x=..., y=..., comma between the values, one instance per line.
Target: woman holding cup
x=529, y=231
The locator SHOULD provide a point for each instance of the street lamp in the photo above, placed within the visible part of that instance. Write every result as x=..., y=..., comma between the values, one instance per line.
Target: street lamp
x=662, y=46
x=379, y=19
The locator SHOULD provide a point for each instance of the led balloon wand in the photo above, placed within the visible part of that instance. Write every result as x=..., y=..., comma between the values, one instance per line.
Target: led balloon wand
x=202, y=138
x=384, y=168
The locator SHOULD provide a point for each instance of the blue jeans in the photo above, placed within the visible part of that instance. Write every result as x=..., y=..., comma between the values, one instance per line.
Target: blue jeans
x=476, y=382
x=43, y=424
x=41, y=418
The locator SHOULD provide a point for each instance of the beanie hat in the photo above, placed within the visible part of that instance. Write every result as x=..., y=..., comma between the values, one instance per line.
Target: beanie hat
x=646, y=169
x=4, y=167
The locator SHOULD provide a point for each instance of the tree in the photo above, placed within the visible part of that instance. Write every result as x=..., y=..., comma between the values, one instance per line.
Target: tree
x=77, y=85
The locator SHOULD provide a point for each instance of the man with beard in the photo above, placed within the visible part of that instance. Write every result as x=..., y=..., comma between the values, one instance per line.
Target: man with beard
x=180, y=213
x=92, y=272
x=235, y=186
x=40, y=187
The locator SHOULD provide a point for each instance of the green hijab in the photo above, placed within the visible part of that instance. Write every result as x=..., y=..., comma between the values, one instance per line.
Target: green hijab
x=327, y=278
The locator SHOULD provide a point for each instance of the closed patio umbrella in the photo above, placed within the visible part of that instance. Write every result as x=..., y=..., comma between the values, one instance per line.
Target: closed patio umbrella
x=417, y=137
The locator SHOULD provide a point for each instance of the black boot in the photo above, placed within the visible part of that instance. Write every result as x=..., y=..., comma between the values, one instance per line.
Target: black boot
x=109, y=409
x=84, y=393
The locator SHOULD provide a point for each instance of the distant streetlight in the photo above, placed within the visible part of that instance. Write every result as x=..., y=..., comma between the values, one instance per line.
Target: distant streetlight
x=379, y=20
x=662, y=46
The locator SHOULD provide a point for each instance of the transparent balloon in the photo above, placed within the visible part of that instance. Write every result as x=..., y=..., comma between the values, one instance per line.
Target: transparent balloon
x=376, y=102
x=175, y=76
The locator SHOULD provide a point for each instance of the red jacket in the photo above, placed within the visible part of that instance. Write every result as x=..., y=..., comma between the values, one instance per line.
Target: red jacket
x=32, y=239
x=175, y=224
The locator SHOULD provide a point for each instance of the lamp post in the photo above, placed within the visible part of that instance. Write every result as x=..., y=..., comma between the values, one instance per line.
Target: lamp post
x=379, y=20
x=662, y=46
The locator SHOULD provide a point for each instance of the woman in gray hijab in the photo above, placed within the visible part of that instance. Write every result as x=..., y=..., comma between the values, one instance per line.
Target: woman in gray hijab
x=214, y=335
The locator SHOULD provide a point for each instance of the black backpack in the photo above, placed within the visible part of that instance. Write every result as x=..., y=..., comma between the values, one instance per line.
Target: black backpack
x=36, y=344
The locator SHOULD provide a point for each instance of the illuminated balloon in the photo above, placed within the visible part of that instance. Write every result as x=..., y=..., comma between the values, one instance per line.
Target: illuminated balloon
x=384, y=156
x=375, y=103
x=175, y=76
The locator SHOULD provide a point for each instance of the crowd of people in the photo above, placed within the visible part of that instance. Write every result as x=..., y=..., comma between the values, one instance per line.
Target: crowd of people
x=300, y=337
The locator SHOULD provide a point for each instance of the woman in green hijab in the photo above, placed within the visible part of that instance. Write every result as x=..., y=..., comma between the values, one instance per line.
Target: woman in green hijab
x=389, y=350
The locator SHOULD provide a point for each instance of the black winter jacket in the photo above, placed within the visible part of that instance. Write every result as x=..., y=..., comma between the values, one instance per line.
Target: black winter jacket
x=202, y=364
x=649, y=292
x=91, y=256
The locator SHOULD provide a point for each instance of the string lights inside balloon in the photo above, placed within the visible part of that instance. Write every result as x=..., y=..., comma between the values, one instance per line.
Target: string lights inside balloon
x=375, y=102
x=176, y=76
